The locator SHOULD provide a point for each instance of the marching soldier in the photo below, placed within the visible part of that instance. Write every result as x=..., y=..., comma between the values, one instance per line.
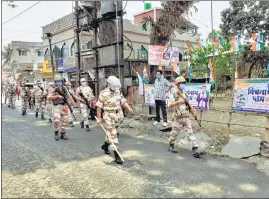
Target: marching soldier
x=59, y=109
x=11, y=96
x=6, y=92
x=181, y=120
x=25, y=95
x=85, y=95
x=37, y=93
x=112, y=102
x=48, y=92
x=72, y=93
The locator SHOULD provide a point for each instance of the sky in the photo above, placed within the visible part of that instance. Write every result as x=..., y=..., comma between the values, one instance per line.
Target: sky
x=28, y=26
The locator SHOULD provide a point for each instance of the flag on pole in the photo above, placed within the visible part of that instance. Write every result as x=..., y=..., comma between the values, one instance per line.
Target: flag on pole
x=189, y=46
x=257, y=41
x=236, y=43
x=210, y=73
x=189, y=70
x=218, y=42
x=200, y=45
x=140, y=82
x=145, y=78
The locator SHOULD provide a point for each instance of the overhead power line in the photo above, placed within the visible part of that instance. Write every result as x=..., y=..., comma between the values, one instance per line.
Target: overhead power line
x=21, y=13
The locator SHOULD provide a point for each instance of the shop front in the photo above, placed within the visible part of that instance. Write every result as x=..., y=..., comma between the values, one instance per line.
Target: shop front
x=45, y=72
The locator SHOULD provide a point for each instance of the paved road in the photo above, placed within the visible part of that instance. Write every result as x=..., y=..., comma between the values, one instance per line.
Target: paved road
x=34, y=165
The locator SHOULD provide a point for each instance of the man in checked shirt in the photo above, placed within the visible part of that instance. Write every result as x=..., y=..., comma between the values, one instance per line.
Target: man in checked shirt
x=161, y=86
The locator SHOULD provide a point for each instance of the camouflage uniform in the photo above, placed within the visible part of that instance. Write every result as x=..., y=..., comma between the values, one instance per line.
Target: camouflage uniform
x=70, y=117
x=37, y=93
x=60, y=115
x=11, y=96
x=48, y=92
x=25, y=95
x=85, y=111
x=181, y=122
x=111, y=103
x=6, y=92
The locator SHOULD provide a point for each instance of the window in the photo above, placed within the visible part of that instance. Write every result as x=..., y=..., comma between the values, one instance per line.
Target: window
x=57, y=52
x=39, y=53
x=64, y=51
x=73, y=49
x=22, y=53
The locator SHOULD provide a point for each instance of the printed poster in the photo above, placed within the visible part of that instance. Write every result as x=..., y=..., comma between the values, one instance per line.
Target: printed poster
x=198, y=95
x=251, y=95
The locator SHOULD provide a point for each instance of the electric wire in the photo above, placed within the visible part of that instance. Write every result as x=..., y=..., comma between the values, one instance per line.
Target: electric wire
x=20, y=13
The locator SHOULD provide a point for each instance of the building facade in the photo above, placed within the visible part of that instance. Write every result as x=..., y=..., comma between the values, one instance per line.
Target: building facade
x=26, y=59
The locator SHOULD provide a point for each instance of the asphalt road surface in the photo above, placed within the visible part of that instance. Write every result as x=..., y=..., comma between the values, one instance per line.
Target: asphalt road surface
x=35, y=165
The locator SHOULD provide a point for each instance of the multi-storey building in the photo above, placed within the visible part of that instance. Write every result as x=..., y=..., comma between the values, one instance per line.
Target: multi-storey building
x=26, y=58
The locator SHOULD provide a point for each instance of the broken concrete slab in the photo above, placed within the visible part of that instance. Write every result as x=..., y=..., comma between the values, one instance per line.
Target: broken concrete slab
x=202, y=139
x=242, y=147
x=126, y=122
x=136, y=124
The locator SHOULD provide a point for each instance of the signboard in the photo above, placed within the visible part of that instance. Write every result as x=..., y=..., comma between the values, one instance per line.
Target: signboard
x=59, y=65
x=69, y=64
x=157, y=56
x=251, y=95
x=198, y=95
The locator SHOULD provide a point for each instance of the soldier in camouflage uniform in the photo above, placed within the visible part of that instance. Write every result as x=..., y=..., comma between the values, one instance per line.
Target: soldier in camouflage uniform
x=11, y=96
x=72, y=92
x=181, y=120
x=38, y=94
x=86, y=91
x=59, y=110
x=5, y=88
x=48, y=92
x=25, y=95
x=112, y=102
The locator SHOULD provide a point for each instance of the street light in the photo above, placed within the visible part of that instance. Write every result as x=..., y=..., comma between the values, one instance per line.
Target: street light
x=49, y=35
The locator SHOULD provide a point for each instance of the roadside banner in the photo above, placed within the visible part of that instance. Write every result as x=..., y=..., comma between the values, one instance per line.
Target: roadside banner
x=198, y=95
x=251, y=95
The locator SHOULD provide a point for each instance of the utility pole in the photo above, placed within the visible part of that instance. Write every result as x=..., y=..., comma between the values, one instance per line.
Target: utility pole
x=96, y=50
x=78, y=53
x=49, y=35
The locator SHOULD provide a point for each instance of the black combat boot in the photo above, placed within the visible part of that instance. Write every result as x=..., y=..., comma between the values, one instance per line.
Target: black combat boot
x=196, y=153
x=36, y=114
x=42, y=117
x=105, y=147
x=23, y=113
x=63, y=136
x=82, y=124
x=71, y=124
x=118, y=160
x=56, y=135
x=8, y=106
x=50, y=120
x=172, y=148
x=88, y=128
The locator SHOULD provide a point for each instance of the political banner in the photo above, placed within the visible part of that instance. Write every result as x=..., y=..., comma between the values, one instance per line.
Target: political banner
x=158, y=56
x=251, y=95
x=198, y=95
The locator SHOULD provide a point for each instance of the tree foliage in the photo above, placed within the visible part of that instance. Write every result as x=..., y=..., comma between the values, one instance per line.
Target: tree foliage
x=244, y=18
x=6, y=54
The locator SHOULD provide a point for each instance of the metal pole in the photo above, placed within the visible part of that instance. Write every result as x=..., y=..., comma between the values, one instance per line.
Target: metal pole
x=118, y=46
x=49, y=35
x=77, y=31
x=96, y=51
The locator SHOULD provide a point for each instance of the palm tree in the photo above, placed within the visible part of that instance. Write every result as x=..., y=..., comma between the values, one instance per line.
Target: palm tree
x=6, y=54
x=171, y=20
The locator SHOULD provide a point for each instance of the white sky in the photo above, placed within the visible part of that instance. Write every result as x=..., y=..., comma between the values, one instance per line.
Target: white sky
x=27, y=26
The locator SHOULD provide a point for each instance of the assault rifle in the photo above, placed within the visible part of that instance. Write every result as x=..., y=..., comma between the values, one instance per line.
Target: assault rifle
x=188, y=106
x=86, y=101
x=63, y=94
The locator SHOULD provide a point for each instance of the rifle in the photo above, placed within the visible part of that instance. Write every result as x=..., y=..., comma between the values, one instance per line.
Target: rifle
x=188, y=106
x=43, y=97
x=66, y=89
x=87, y=103
x=66, y=100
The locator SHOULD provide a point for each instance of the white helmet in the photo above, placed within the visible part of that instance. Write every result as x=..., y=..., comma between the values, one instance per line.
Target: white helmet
x=83, y=80
x=113, y=81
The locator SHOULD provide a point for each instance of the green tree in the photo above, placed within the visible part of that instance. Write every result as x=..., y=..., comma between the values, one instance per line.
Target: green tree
x=171, y=20
x=244, y=18
x=6, y=54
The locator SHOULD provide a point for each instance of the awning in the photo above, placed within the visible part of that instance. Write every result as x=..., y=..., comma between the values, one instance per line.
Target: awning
x=44, y=75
